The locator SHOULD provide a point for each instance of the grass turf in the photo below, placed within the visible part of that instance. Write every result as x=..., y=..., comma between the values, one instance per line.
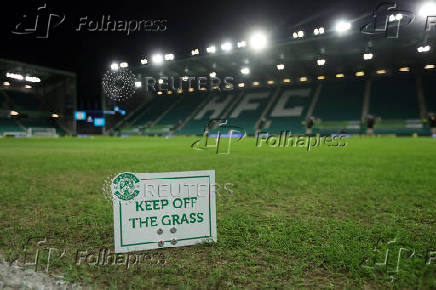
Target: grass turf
x=295, y=218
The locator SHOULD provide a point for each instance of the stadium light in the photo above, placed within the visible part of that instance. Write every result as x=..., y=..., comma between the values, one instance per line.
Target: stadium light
x=185, y=78
x=422, y=49
x=256, y=84
x=340, y=75
x=124, y=64
x=303, y=79
x=159, y=93
x=395, y=17
x=368, y=56
x=404, y=69
x=144, y=61
x=169, y=56
x=179, y=91
x=212, y=74
x=6, y=83
x=27, y=86
x=380, y=71
x=169, y=92
x=160, y=81
x=342, y=26
x=241, y=85
x=54, y=115
x=114, y=66
x=245, y=70
x=360, y=74
x=242, y=44
x=14, y=76
x=320, y=62
x=286, y=80
x=319, y=31
x=258, y=41
x=14, y=113
x=427, y=9
x=300, y=33
x=270, y=82
x=157, y=58
x=321, y=78
x=195, y=51
x=32, y=79
x=203, y=89
x=138, y=84
x=191, y=90
x=429, y=66
x=280, y=67
x=211, y=49
x=295, y=35
x=227, y=46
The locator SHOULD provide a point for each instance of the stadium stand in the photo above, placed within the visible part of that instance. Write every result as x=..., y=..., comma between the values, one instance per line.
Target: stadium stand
x=290, y=109
x=429, y=88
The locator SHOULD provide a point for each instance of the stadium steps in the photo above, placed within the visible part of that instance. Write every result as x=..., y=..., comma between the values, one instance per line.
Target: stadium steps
x=215, y=102
x=164, y=113
x=429, y=90
x=195, y=112
x=9, y=125
x=366, y=99
x=23, y=101
x=247, y=119
x=132, y=117
x=263, y=116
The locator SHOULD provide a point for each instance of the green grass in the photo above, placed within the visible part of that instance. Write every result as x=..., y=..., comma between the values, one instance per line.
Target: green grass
x=295, y=219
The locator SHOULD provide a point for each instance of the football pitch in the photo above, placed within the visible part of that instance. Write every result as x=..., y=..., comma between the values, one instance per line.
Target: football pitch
x=363, y=215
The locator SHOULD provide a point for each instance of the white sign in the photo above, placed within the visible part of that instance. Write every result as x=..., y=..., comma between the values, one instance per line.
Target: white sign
x=171, y=209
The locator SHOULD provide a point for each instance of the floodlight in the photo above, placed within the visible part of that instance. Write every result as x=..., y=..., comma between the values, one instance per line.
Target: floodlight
x=27, y=87
x=321, y=77
x=169, y=56
x=185, y=78
x=195, y=51
x=32, y=79
x=429, y=66
x=271, y=82
x=245, y=70
x=280, y=66
x=138, y=84
x=157, y=58
x=144, y=61
x=321, y=30
x=54, y=115
x=340, y=75
x=342, y=26
x=303, y=79
x=160, y=81
x=6, y=83
x=242, y=44
x=404, y=69
x=241, y=85
x=380, y=71
x=422, y=49
x=258, y=41
x=191, y=90
x=360, y=74
x=316, y=31
x=169, y=92
x=124, y=64
x=226, y=46
x=368, y=56
x=300, y=33
x=320, y=62
x=286, y=80
x=212, y=74
x=14, y=76
x=211, y=49
x=159, y=93
x=256, y=84
x=179, y=91
x=295, y=35
x=14, y=113
x=114, y=66
x=427, y=9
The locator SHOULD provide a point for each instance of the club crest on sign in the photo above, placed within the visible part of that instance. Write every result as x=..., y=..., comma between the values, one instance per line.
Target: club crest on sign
x=125, y=185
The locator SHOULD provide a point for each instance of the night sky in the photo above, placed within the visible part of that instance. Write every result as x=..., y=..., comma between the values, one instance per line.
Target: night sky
x=189, y=24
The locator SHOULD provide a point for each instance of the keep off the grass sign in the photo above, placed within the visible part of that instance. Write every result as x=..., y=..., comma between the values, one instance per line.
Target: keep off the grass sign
x=155, y=210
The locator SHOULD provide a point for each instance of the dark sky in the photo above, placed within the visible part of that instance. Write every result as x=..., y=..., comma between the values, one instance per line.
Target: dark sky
x=189, y=24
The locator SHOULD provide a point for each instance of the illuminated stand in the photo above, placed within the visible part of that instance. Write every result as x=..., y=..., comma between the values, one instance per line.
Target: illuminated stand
x=97, y=118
